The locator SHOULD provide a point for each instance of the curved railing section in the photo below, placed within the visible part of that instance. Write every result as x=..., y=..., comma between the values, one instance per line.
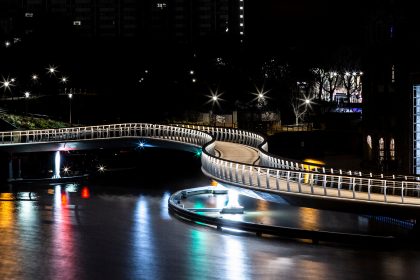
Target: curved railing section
x=277, y=174
x=274, y=174
x=125, y=130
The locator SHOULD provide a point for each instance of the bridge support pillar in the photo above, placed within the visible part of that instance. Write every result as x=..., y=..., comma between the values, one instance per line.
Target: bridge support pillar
x=19, y=175
x=10, y=175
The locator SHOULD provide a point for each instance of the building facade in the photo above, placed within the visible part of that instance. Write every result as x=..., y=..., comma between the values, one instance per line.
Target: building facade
x=391, y=98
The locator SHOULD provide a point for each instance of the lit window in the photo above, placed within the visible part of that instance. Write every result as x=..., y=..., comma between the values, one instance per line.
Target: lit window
x=242, y=33
x=29, y=15
x=392, y=149
x=161, y=5
x=393, y=74
x=77, y=22
x=241, y=24
x=381, y=149
x=241, y=16
x=241, y=8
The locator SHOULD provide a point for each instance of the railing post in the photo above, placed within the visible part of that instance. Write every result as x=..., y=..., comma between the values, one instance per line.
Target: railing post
x=258, y=177
x=288, y=180
x=277, y=179
x=267, y=178
x=340, y=178
x=299, y=183
x=354, y=186
x=243, y=174
x=324, y=182
x=250, y=176
x=384, y=185
x=402, y=192
x=236, y=173
x=369, y=185
x=311, y=182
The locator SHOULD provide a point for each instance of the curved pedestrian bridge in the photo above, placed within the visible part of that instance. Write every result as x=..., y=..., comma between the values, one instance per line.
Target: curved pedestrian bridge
x=240, y=158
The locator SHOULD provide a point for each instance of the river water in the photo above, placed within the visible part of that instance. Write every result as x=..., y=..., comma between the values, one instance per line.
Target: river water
x=117, y=226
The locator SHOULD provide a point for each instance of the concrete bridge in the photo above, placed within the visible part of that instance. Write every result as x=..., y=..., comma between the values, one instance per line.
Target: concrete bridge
x=240, y=159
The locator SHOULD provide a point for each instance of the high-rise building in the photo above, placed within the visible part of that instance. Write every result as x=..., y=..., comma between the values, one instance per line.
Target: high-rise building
x=178, y=21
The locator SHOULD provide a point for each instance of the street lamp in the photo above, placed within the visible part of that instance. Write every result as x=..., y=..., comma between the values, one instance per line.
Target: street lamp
x=70, y=95
x=52, y=70
x=214, y=100
x=27, y=95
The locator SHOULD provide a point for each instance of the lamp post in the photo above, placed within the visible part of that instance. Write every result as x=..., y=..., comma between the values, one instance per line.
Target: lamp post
x=214, y=100
x=70, y=95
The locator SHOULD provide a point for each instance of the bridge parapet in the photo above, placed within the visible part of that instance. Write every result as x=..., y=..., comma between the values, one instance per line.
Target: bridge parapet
x=274, y=174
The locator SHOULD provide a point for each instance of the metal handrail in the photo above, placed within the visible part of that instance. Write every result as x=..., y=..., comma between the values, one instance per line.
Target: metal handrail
x=274, y=174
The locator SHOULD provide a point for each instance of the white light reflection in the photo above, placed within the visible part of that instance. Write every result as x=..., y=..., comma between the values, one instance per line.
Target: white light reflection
x=233, y=199
x=57, y=163
x=63, y=245
x=164, y=212
x=57, y=197
x=235, y=256
x=144, y=251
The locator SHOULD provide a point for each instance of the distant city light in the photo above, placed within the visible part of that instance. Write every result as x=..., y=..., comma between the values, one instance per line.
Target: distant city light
x=52, y=70
x=6, y=84
x=101, y=168
x=70, y=95
x=194, y=80
x=34, y=77
x=191, y=72
x=64, y=80
x=27, y=94
x=7, y=44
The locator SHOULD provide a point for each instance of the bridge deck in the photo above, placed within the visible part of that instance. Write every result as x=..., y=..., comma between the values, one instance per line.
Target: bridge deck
x=237, y=152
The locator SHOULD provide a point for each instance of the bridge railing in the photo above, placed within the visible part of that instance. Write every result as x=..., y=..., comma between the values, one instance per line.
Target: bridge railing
x=276, y=173
x=314, y=183
x=232, y=135
x=278, y=162
x=173, y=133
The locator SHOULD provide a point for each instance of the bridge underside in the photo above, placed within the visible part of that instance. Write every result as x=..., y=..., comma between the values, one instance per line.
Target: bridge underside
x=402, y=211
x=95, y=144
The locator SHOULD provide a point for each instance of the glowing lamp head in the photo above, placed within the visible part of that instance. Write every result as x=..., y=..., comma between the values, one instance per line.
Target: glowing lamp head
x=191, y=72
x=52, y=70
x=6, y=84
x=70, y=95
x=194, y=80
x=7, y=44
x=34, y=77
x=101, y=168
x=260, y=95
x=64, y=79
x=12, y=80
x=307, y=101
x=214, y=98
x=27, y=94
